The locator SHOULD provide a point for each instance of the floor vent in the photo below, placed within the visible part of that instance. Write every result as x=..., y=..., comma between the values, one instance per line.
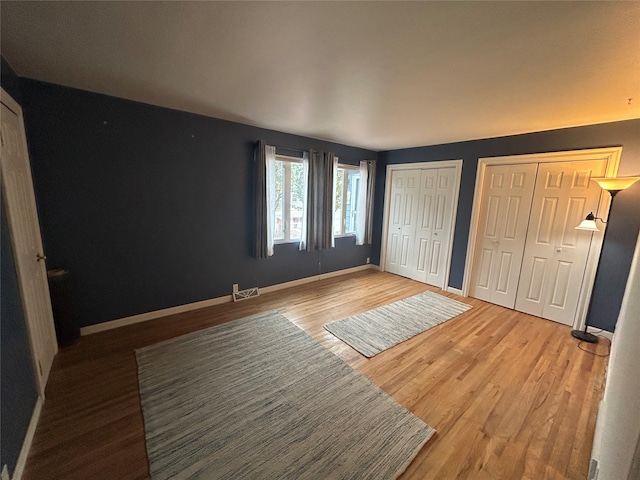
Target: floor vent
x=244, y=294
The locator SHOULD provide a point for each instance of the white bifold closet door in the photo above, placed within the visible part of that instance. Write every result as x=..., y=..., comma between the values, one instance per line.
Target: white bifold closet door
x=418, y=236
x=528, y=254
x=504, y=216
x=403, y=218
x=555, y=253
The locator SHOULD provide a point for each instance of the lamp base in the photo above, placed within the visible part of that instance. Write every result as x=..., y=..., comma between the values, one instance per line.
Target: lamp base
x=584, y=336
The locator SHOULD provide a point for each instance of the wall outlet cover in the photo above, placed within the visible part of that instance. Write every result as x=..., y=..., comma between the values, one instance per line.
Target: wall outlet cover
x=593, y=470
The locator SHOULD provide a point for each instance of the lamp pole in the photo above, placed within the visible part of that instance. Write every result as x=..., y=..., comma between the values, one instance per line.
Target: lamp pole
x=583, y=335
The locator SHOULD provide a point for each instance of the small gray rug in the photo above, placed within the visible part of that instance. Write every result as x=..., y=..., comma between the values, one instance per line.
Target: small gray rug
x=377, y=330
x=258, y=398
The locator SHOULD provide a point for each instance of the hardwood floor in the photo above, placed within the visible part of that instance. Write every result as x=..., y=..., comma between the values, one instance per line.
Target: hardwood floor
x=510, y=395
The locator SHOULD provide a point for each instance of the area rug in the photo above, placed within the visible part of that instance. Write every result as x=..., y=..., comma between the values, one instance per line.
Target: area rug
x=258, y=398
x=377, y=330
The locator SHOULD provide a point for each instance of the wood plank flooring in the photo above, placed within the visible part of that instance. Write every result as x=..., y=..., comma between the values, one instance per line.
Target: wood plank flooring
x=510, y=395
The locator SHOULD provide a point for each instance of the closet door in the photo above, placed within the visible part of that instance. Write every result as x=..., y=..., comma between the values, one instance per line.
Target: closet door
x=402, y=222
x=502, y=229
x=433, y=229
x=555, y=253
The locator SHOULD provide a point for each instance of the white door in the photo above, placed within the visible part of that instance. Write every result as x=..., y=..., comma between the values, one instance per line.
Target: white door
x=555, y=253
x=502, y=228
x=402, y=222
x=433, y=230
x=25, y=235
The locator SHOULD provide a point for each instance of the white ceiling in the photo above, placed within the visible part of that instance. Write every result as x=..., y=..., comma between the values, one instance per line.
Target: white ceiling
x=380, y=75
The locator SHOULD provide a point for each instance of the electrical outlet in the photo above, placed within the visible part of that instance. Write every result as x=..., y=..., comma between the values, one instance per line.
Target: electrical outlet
x=5, y=473
x=368, y=260
x=235, y=288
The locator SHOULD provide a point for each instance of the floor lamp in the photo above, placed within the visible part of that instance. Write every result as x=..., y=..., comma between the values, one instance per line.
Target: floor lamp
x=613, y=186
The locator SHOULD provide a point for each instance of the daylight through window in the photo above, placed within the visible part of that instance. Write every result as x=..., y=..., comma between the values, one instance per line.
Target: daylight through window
x=289, y=200
x=345, y=200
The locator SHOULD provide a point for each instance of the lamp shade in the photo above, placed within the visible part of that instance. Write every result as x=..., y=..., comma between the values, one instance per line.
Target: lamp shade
x=615, y=184
x=588, y=224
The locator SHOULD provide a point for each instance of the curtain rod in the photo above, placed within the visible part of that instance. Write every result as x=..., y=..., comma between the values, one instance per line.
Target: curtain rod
x=302, y=152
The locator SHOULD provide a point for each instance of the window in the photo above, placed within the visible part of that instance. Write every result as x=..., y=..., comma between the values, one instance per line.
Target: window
x=345, y=200
x=289, y=199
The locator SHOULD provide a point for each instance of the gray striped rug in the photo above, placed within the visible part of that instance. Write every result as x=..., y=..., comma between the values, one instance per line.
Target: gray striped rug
x=377, y=330
x=258, y=398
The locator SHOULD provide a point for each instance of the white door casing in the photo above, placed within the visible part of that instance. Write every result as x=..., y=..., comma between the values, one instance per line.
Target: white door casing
x=612, y=157
x=26, y=240
x=555, y=253
x=502, y=229
x=437, y=201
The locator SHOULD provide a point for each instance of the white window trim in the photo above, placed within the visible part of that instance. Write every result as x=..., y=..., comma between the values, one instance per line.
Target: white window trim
x=286, y=214
x=345, y=166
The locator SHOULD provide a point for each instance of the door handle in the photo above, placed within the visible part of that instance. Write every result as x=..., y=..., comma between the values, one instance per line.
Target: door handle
x=39, y=257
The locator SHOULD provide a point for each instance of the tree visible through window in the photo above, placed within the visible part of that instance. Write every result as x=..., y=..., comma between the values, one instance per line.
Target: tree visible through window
x=289, y=205
x=346, y=199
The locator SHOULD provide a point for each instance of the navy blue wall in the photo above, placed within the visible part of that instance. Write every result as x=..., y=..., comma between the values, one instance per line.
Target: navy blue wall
x=10, y=81
x=18, y=394
x=151, y=208
x=625, y=213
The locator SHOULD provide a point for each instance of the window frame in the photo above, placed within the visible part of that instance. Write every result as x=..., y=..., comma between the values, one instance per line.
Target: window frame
x=345, y=188
x=286, y=199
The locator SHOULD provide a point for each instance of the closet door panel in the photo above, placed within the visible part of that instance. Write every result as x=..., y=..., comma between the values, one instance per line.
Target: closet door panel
x=441, y=221
x=395, y=222
x=420, y=221
x=503, y=220
x=402, y=222
x=555, y=252
x=424, y=227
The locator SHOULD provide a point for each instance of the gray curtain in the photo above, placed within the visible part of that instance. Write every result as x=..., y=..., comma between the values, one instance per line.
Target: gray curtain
x=364, y=209
x=371, y=187
x=260, y=241
x=320, y=201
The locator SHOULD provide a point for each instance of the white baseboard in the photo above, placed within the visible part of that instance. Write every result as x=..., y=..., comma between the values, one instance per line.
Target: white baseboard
x=28, y=439
x=315, y=278
x=593, y=330
x=143, y=317
x=457, y=291
x=597, y=331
